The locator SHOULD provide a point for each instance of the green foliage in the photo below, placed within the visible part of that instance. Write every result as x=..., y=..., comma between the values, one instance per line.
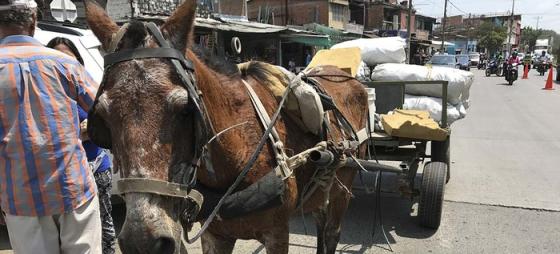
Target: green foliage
x=491, y=36
x=529, y=36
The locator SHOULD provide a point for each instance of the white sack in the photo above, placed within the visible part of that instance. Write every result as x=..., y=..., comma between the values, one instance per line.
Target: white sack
x=460, y=81
x=432, y=105
x=379, y=50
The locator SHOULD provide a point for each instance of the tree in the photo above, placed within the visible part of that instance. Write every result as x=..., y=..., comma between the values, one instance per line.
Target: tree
x=529, y=36
x=491, y=36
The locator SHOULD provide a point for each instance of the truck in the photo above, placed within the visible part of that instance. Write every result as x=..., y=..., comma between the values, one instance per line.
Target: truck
x=540, y=46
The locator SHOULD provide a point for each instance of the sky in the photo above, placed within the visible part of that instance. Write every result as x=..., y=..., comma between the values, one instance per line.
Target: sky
x=546, y=12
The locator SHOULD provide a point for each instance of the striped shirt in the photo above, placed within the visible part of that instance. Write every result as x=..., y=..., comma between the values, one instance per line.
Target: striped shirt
x=43, y=167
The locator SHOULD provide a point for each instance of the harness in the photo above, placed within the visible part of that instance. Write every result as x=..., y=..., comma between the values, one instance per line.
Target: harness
x=183, y=182
x=183, y=179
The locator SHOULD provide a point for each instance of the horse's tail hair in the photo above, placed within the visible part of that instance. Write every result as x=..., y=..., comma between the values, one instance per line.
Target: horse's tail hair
x=267, y=74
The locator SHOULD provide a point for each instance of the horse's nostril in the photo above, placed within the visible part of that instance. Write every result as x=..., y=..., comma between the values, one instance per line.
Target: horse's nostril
x=163, y=245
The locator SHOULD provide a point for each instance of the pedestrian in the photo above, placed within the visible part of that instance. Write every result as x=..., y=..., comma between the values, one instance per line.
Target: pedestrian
x=98, y=159
x=308, y=57
x=292, y=65
x=46, y=190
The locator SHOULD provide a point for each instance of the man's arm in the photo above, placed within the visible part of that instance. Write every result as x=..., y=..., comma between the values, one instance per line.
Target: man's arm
x=84, y=86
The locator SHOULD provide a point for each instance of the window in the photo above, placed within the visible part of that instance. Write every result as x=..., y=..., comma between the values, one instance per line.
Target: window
x=339, y=12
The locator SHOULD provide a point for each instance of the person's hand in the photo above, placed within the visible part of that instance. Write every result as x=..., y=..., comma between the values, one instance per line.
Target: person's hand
x=83, y=131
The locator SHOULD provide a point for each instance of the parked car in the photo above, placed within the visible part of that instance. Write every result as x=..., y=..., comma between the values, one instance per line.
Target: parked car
x=475, y=58
x=444, y=61
x=88, y=45
x=464, y=62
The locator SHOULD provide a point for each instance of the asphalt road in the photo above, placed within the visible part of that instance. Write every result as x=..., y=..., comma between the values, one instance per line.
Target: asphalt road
x=504, y=193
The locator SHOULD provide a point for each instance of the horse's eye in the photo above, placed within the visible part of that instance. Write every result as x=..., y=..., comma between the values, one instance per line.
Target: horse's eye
x=188, y=109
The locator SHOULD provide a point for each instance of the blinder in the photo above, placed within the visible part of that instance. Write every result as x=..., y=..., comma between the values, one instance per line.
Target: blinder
x=100, y=134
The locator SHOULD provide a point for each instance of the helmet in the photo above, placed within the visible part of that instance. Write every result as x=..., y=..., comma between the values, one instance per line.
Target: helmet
x=514, y=54
x=18, y=5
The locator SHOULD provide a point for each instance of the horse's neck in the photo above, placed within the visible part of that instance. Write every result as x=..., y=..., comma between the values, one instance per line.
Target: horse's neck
x=227, y=104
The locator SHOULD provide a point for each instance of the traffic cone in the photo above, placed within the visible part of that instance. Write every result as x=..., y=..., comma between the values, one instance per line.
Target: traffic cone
x=525, y=72
x=548, y=85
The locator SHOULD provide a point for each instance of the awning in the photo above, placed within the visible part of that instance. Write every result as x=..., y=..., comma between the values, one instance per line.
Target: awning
x=238, y=26
x=307, y=39
x=336, y=36
x=446, y=43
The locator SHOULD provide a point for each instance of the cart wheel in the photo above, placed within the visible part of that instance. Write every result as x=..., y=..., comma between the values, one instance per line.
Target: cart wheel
x=441, y=153
x=431, y=194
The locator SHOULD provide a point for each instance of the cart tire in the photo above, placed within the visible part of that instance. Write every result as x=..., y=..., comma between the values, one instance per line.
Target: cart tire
x=441, y=152
x=431, y=194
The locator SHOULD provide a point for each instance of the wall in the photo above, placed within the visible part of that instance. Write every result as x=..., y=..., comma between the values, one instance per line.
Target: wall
x=454, y=21
x=299, y=11
x=118, y=9
x=375, y=17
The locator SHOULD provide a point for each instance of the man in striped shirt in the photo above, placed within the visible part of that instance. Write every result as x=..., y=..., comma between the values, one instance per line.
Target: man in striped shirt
x=46, y=188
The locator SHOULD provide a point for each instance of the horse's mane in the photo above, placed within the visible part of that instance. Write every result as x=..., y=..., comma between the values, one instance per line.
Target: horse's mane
x=265, y=73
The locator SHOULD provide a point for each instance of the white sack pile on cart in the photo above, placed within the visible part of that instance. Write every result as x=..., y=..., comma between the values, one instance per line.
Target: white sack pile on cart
x=428, y=96
x=379, y=50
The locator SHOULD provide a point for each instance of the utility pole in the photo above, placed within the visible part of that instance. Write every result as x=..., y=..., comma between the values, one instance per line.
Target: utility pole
x=538, y=18
x=409, y=30
x=443, y=26
x=286, y=14
x=511, y=28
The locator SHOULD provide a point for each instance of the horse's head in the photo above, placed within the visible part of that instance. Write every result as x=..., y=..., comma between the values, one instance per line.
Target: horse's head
x=145, y=115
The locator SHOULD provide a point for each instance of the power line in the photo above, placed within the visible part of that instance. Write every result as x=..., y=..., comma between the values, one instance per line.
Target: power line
x=457, y=7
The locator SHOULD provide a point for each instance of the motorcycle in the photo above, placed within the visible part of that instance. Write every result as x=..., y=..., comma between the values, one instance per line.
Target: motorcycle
x=511, y=73
x=493, y=67
x=481, y=64
x=542, y=67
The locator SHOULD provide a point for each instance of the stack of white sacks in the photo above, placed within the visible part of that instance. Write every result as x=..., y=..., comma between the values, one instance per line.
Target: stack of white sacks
x=429, y=96
x=376, y=51
x=388, y=56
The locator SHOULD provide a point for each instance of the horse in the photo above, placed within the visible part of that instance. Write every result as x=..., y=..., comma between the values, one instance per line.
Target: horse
x=149, y=120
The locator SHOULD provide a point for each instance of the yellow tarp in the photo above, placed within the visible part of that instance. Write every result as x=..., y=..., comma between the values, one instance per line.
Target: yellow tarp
x=347, y=59
x=413, y=124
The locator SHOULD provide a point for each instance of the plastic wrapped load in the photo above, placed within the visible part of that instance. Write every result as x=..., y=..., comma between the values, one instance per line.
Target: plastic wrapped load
x=379, y=50
x=460, y=82
x=364, y=72
x=433, y=106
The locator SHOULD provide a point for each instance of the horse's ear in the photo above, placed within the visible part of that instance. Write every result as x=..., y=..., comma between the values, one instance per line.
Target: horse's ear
x=100, y=23
x=179, y=27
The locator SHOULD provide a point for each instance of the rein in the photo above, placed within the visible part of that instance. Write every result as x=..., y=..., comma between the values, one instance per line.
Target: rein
x=185, y=70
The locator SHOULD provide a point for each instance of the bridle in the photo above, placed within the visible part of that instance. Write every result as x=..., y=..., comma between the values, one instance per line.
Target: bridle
x=183, y=180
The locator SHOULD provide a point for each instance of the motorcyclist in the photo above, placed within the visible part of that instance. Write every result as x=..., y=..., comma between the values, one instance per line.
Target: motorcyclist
x=514, y=58
x=543, y=57
x=527, y=60
x=544, y=60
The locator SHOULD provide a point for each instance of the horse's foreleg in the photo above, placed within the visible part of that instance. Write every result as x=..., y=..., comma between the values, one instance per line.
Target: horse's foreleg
x=329, y=218
x=214, y=244
x=276, y=241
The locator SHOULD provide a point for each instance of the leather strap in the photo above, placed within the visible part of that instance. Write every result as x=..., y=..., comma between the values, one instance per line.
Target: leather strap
x=117, y=37
x=282, y=169
x=131, y=54
x=158, y=187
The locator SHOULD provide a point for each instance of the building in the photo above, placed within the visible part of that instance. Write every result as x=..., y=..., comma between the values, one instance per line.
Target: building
x=331, y=13
x=462, y=30
x=390, y=18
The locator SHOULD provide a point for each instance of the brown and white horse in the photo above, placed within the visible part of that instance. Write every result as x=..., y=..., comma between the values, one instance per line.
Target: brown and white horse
x=145, y=107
